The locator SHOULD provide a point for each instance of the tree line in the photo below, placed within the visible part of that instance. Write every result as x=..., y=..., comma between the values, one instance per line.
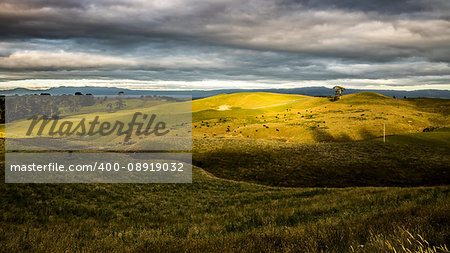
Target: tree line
x=21, y=107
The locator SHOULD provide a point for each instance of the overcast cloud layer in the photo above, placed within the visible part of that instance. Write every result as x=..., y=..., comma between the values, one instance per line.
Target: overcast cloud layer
x=185, y=44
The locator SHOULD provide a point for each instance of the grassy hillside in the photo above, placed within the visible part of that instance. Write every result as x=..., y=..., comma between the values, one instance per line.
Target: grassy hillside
x=213, y=214
x=246, y=146
x=175, y=115
x=312, y=119
x=314, y=141
x=252, y=100
x=437, y=138
x=326, y=164
x=287, y=118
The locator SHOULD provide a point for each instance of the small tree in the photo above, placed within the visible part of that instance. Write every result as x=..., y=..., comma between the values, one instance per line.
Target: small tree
x=120, y=103
x=109, y=106
x=338, y=92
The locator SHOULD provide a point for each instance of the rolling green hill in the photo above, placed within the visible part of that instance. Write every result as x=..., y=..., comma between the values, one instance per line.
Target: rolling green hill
x=244, y=100
x=176, y=116
x=315, y=119
x=287, y=118
x=235, y=202
x=326, y=143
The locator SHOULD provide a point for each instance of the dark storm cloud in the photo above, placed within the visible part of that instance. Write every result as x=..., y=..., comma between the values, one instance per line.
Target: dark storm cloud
x=252, y=24
x=380, y=6
x=279, y=40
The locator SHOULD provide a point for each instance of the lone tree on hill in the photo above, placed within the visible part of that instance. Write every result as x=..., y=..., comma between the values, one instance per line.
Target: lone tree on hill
x=120, y=103
x=338, y=92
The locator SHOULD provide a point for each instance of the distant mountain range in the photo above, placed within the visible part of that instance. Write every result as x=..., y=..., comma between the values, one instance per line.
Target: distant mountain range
x=309, y=91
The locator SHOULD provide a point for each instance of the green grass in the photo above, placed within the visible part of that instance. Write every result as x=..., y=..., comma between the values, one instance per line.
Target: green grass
x=439, y=138
x=288, y=118
x=354, y=117
x=175, y=115
x=308, y=187
x=324, y=165
x=212, y=214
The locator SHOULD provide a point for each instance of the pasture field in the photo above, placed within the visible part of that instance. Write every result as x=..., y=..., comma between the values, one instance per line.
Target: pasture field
x=316, y=119
x=323, y=182
x=214, y=214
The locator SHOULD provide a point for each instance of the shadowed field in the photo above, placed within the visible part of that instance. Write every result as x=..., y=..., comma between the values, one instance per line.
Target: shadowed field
x=364, y=163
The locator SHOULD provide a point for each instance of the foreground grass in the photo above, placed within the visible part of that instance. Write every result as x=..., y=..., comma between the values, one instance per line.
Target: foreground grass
x=213, y=214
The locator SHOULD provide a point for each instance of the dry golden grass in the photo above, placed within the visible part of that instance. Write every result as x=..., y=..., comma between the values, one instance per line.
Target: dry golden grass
x=354, y=117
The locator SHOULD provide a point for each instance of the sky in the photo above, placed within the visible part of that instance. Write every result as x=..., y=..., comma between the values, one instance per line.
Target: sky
x=217, y=44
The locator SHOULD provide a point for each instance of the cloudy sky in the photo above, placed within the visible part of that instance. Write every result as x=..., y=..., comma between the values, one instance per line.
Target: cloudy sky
x=187, y=44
